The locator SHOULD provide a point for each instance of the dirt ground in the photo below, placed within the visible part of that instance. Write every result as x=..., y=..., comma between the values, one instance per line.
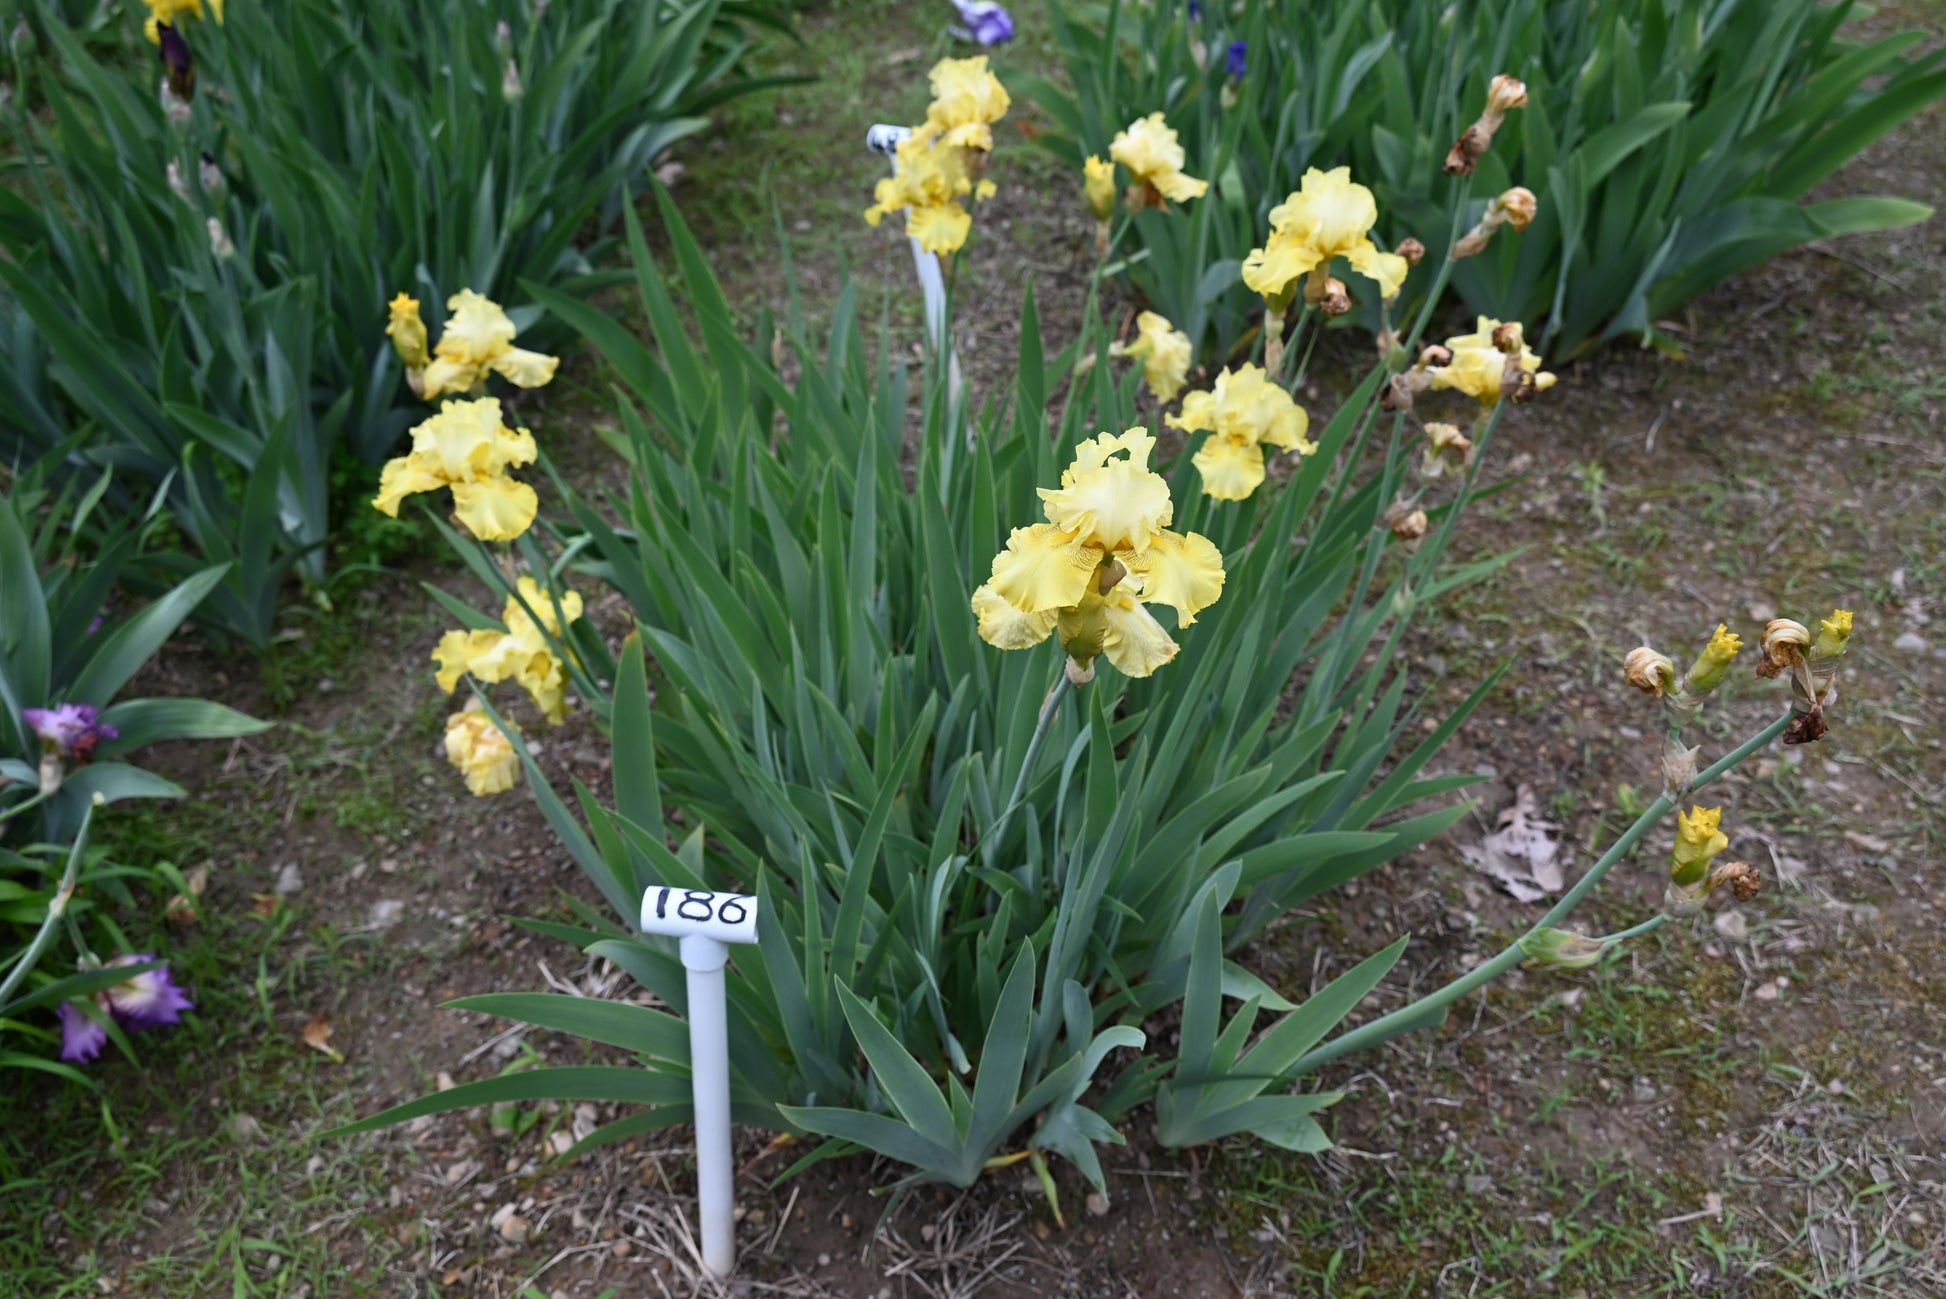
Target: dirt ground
x=1746, y=1105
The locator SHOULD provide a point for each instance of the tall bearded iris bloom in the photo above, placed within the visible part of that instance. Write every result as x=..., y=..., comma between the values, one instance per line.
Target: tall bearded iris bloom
x=1105, y=553
x=1243, y=412
x=1154, y=157
x=1329, y=216
x=147, y=1000
x=930, y=179
x=523, y=652
x=478, y=338
x=170, y=12
x=467, y=448
x=73, y=730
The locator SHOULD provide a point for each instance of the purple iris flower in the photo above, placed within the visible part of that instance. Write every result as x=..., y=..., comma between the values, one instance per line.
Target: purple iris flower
x=150, y=999
x=74, y=729
x=986, y=22
x=1195, y=12
x=81, y=1038
x=1239, y=51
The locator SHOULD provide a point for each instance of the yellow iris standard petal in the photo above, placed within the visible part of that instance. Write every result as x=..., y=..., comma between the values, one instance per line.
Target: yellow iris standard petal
x=1005, y=627
x=1329, y=216
x=1044, y=567
x=477, y=340
x=496, y=508
x=1184, y=572
x=482, y=752
x=966, y=95
x=1232, y=467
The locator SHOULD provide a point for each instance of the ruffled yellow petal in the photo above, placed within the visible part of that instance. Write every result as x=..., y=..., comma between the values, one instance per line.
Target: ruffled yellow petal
x=441, y=377
x=964, y=93
x=542, y=678
x=1132, y=639
x=537, y=599
x=482, y=752
x=1183, y=572
x=1198, y=413
x=497, y=508
x=1044, y=567
x=525, y=369
x=970, y=135
x=458, y=652
x=1165, y=352
x=1005, y=627
x=1232, y=467
x=405, y=476
x=940, y=229
x=1178, y=188
x=477, y=330
x=1150, y=151
x=1271, y=270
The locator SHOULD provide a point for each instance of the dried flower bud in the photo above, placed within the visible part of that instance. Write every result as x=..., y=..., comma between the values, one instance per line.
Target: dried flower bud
x=1505, y=93
x=1337, y=298
x=1520, y=205
x=1678, y=769
x=219, y=240
x=1681, y=902
x=1412, y=250
x=210, y=177
x=1435, y=356
x=503, y=39
x=177, y=185
x=1447, y=437
x=510, y=88
x=1467, y=152
x=52, y=772
x=1649, y=670
x=1784, y=645
x=1079, y=675
x=1743, y=880
x=175, y=109
x=1407, y=525
x=1508, y=338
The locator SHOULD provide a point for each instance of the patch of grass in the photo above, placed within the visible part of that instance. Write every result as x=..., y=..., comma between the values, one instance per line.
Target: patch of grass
x=197, y=1160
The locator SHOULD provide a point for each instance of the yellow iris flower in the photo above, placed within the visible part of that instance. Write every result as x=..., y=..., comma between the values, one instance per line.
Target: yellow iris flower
x=1098, y=183
x=1329, y=216
x=479, y=337
x=1164, y=352
x=1148, y=148
x=170, y=11
x=467, y=448
x=407, y=331
x=481, y=751
x=1105, y=553
x=524, y=652
x=1713, y=664
x=1698, y=839
x=928, y=182
x=966, y=101
x=1242, y=412
x=1479, y=368
x=1833, y=634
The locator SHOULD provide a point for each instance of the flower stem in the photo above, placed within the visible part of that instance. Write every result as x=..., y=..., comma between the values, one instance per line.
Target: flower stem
x=1648, y=926
x=1386, y=1025
x=56, y=907
x=1042, y=726
x=1445, y=267
x=23, y=805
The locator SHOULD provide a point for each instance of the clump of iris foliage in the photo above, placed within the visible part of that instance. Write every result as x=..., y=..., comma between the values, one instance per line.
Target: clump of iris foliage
x=70, y=979
x=1675, y=140
x=197, y=278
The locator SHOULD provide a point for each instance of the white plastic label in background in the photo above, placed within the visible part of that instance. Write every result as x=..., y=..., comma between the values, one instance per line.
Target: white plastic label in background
x=678, y=913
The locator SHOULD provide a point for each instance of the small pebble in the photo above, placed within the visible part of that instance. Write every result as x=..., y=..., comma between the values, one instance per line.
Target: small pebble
x=1910, y=643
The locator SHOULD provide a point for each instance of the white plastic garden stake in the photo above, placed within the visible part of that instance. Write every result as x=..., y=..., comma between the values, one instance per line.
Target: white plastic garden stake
x=707, y=923
x=885, y=140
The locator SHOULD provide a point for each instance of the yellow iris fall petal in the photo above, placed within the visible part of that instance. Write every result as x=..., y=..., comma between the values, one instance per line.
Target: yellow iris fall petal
x=467, y=448
x=1107, y=527
x=1479, y=368
x=1329, y=216
x=477, y=340
x=481, y=751
x=1241, y=412
x=1150, y=151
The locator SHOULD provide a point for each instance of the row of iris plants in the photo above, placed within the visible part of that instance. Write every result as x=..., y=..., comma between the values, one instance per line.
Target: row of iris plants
x=1021, y=727
x=1677, y=142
